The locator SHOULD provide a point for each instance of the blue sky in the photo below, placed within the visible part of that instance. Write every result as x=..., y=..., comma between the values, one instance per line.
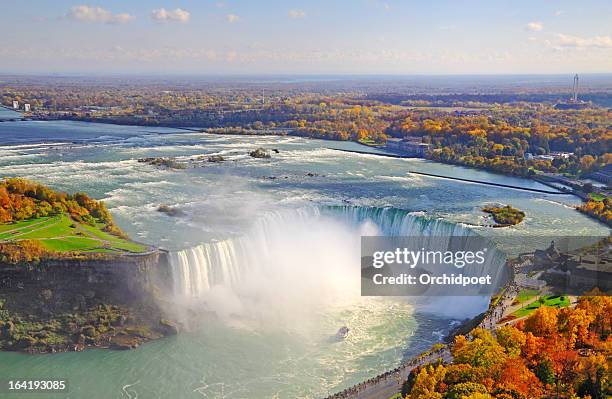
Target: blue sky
x=306, y=37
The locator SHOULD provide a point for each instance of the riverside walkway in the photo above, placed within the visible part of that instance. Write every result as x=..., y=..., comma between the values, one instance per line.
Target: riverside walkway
x=390, y=383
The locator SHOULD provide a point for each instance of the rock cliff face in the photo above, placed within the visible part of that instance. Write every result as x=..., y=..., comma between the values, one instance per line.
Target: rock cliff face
x=110, y=302
x=121, y=278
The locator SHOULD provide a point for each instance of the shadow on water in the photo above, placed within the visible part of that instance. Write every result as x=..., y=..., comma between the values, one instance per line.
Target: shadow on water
x=431, y=329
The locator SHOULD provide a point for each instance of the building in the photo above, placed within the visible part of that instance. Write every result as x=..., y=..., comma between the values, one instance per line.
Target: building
x=27, y=108
x=590, y=269
x=408, y=146
x=543, y=157
x=580, y=270
x=604, y=175
x=550, y=156
x=561, y=154
x=15, y=104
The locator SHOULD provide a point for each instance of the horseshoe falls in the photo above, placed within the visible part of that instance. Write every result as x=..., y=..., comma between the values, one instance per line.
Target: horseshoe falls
x=265, y=259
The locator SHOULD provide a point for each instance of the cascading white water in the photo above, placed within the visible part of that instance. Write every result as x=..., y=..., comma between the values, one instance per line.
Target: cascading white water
x=196, y=270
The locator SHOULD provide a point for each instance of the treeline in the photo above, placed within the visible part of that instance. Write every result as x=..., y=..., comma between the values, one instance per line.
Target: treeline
x=21, y=199
x=449, y=100
x=477, y=130
x=556, y=353
x=26, y=251
x=601, y=210
x=499, y=142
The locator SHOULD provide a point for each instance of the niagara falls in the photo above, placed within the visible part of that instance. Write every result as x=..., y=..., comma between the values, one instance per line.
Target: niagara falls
x=264, y=271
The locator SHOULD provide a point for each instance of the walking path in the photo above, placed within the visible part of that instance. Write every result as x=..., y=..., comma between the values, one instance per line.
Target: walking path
x=390, y=383
x=28, y=229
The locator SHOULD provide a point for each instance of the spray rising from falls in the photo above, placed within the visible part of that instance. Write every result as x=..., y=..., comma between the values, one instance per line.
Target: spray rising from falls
x=306, y=245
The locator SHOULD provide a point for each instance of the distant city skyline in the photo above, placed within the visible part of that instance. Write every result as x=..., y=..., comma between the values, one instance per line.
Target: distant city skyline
x=306, y=37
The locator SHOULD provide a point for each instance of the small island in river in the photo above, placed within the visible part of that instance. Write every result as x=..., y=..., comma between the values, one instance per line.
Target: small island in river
x=504, y=215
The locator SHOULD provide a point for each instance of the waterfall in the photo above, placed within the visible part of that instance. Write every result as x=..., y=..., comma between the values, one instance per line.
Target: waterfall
x=397, y=222
x=195, y=270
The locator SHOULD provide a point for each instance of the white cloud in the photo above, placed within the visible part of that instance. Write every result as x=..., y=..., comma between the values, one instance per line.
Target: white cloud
x=297, y=14
x=231, y=18
x=97, y=14
x=535, y=26
x=559, y=12
x=177, y=15
x=569, y=41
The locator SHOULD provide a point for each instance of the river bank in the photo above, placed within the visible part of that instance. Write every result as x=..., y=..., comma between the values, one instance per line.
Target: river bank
x=389, y=383
x=223, y=201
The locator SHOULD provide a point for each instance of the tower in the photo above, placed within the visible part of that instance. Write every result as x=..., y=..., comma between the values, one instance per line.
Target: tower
x=575, y=89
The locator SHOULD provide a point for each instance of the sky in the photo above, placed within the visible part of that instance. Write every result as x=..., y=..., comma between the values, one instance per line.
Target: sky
x=306, y=37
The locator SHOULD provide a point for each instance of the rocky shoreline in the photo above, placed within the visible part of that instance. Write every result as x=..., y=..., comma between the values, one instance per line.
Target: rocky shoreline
x=71, y=305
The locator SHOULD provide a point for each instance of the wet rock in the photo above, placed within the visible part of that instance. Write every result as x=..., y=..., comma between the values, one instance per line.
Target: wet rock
x=168, y=328
x=216, y=158
x=169, y=163
x=170, y=211
x=41, y=334
x=260, y=153
x=124, y=342
x=26, y=342
x=89, y=331
x=8, y=329
x=120, y=321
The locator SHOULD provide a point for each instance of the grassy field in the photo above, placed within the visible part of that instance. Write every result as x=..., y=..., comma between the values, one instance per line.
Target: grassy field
x=61, y=233
x=370, y=142
x=526, y=295
x=552, y=301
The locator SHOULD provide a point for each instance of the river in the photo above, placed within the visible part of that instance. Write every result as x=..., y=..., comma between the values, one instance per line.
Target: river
x=269, y=335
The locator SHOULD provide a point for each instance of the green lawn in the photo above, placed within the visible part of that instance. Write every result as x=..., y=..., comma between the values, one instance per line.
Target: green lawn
x=597, y=196
x=370, y=142
x=526, y=295
x=8, y=229
x=69, y=244
x=61, y=233
x=549, y=300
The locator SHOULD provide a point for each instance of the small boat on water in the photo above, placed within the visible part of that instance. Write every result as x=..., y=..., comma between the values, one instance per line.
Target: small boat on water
x=342, y=332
